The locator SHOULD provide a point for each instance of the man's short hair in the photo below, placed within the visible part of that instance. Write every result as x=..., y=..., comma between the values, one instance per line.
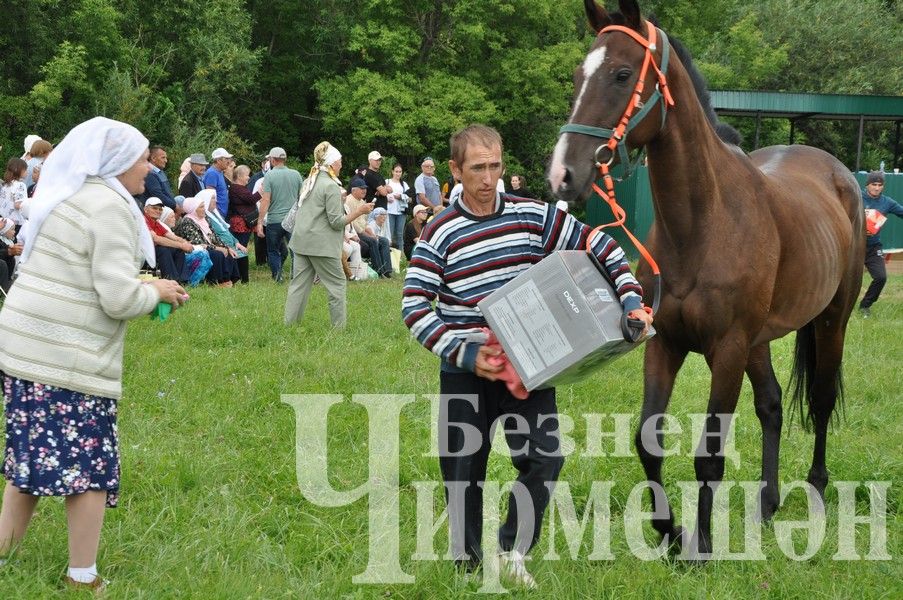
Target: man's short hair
x=473, y=135
x=152, y=151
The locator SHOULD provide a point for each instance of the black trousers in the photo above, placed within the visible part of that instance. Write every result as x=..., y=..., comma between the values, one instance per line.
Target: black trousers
x=532, y=434
x=874, y=262
x=170, y=261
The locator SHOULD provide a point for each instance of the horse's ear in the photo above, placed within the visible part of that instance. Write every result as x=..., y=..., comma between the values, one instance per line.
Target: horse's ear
x=598, y=16
x=631, y=11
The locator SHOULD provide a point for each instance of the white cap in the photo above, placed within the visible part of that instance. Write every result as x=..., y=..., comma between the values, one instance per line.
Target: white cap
x=374, y=156
x=29, y=142
x=220, y=153
x=277, y=152
x=153, y=201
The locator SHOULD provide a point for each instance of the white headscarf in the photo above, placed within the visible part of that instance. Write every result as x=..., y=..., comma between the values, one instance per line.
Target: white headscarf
x=98, y=147
x=332, y=155
x=29, y=142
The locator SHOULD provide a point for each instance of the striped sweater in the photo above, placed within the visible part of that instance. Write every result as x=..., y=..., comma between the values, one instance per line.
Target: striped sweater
x=461, y=259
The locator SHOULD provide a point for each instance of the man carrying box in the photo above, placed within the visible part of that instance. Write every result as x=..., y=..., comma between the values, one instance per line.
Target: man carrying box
x=482, y=241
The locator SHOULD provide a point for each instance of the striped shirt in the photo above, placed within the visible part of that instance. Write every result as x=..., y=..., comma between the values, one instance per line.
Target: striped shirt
x=462, y=258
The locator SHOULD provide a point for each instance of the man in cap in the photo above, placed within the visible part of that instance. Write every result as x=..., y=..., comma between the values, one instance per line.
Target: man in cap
x=169, y=248
x=156, y=184
x=877, y=207
x=376, y=248
x=215, y=180
x=194, y=180
x=377, y=190
x=281, y=189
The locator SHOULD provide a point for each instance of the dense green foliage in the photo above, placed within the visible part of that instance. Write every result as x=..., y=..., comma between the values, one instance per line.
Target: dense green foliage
x=401, y=75
x=210, y=505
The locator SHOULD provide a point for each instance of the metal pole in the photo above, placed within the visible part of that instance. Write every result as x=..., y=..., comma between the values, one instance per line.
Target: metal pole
x=859, y=142
x=759, y=126
x=897, y=164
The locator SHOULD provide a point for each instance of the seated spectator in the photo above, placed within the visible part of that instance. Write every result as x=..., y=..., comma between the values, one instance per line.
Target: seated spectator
x=221, y=229
x=13, y=191
x=412, y=230
x=193, y=182
x=40, y=150
x=375, y=248
x=377, y=223
x=169, y=248
x=167, y=218
x=352, y=261
x=9, y=250
x=35, y=176
x=195, y=228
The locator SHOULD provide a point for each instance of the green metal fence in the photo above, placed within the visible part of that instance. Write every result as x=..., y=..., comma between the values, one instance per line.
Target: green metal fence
x=635, y=196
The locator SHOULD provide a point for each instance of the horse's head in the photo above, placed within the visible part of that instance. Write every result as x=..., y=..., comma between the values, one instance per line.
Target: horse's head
x=605, y=85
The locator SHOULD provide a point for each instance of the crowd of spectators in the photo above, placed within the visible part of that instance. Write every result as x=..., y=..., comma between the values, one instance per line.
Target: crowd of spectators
x=203, y=222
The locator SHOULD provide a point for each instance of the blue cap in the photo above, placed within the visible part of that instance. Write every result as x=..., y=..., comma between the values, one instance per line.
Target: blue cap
x=357, y=182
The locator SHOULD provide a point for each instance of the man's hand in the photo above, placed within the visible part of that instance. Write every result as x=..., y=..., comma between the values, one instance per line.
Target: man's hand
x=259, y=228
x=483, y=368
x=641, y=315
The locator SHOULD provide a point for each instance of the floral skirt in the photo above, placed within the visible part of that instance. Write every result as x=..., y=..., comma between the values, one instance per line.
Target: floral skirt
x=59, y=442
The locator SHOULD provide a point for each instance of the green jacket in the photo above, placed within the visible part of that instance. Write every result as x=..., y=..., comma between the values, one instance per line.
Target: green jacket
x=320, y=223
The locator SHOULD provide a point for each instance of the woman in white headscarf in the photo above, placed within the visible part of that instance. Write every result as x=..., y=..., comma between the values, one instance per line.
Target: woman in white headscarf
x=195, y=228
x=62, y=330
x=316, y=242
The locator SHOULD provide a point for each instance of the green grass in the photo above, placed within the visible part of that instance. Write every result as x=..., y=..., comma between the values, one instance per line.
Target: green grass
x=210, y=506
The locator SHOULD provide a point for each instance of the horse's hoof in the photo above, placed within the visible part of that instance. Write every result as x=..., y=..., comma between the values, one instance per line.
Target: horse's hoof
x=675, y=539
x=767, y=508
x=697, y=552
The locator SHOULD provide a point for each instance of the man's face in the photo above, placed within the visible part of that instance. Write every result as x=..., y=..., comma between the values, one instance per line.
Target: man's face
x=198, y=169
x=376, y=164
x=359, y=193
x=153, y=211
x=479, y=173
x=428, y=167
x=874, y=189
x=159, y=158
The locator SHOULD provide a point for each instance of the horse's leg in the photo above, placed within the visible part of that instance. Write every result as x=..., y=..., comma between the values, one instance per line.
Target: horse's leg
x=767, y=392
x=660, y=367
x=826, y=384
x=727, y=362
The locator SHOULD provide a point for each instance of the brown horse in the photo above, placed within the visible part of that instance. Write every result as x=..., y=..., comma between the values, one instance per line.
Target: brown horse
x=751, y=247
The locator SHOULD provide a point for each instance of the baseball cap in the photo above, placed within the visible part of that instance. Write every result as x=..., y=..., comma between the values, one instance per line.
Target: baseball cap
x=153, y=201
x=30, y=140
x=374, y=156
x=220, y=153
x=276, y=152
x=420, y=208
x=357, y=182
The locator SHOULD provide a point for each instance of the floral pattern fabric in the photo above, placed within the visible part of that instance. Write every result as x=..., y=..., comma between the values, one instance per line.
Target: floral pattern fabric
x=59, y=442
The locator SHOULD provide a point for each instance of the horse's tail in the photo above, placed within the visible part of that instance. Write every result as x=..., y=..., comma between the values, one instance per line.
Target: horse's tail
x=802, y=377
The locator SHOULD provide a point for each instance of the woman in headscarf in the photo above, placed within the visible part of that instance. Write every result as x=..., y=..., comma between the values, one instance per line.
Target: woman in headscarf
x=317, y=237
x=412, y=230
x=195, y=228
x=63, y=328
x=222, y=230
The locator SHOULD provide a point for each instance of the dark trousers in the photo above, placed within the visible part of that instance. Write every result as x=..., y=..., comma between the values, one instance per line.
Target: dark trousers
x=170, y=261
x=243, y=239
x=377, y=250
x=874, y=262
x=535, y=450
x=224, y=268
x=277, y=248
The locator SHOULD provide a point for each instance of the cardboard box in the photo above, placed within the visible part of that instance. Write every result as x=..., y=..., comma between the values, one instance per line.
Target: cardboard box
x=558, y=321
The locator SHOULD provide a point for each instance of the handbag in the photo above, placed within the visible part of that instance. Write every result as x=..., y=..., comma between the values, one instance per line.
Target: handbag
x=288, y=223
x=251, y=218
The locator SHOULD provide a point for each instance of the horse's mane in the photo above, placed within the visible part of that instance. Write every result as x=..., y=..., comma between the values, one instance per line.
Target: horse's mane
x=727, y=133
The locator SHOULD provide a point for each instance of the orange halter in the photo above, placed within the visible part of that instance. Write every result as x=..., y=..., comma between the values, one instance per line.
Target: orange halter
x=616, y=137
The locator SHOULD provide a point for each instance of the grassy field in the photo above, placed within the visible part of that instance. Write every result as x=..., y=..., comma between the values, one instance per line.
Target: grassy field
x=211, y=508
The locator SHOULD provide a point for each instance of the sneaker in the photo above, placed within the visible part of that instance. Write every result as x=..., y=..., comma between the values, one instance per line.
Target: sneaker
x=512, y=566
x=865, y=311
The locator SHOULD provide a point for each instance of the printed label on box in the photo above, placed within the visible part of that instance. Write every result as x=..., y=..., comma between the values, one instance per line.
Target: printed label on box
x=526, y=317
x=603, y=294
